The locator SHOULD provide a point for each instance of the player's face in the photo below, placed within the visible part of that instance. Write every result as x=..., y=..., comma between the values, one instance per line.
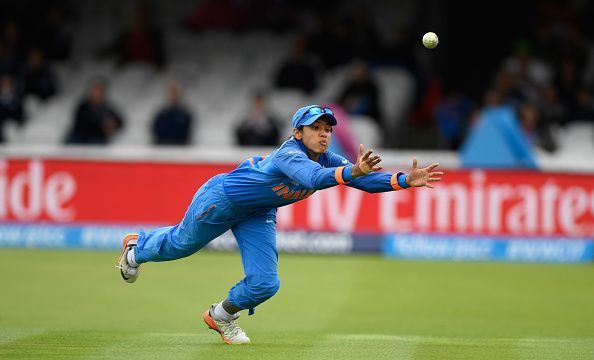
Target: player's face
x=316, y=137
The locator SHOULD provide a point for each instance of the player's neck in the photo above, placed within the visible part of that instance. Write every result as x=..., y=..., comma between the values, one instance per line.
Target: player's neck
x=313, y=155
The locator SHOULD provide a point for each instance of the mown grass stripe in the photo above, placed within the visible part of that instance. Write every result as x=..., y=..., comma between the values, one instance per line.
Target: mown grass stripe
x=11, y=335
x=381, y=346
x=461, y=340
x=427, y=347
x=57, y=344
x=553, y=349
x=188, y=345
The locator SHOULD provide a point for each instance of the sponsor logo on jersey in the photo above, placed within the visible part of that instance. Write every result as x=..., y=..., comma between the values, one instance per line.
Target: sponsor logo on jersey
x=284, y=191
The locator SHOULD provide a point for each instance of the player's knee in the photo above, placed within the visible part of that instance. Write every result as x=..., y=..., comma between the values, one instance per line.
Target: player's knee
x=272, y=288
x=265, y=288
x=185, y=252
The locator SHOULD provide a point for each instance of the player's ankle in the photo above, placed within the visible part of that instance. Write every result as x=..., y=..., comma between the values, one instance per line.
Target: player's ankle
x=219, y=313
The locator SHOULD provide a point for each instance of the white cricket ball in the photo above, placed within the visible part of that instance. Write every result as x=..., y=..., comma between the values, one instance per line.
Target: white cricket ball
x=430, y=40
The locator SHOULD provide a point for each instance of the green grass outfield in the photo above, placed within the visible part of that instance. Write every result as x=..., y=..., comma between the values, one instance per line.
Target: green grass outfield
x=72, y=304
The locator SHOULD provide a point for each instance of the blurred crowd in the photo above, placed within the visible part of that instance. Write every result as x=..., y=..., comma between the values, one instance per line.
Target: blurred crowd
x=26, y=57
x=544, y=70
x=547, y=77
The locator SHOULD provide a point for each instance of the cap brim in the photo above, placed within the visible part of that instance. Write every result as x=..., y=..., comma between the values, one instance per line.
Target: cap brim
x=312, y=119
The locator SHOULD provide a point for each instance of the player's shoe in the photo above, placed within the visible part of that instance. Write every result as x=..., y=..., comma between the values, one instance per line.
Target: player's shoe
x=129, y=273
x=229, y=330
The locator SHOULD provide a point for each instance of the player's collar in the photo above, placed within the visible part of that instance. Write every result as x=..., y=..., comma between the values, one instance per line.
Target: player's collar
x=323, y=160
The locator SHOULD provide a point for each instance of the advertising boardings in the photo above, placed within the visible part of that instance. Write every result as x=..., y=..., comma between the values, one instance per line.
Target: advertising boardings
x=493, y=204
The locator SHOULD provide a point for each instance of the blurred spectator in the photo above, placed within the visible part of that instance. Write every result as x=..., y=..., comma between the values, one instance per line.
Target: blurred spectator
x=493, y=98
x=245, y=15
x=584, y=106
x=537, y=132
x=140, y=42
x=37, y=76
x=55, y=36
x=425, y=101
x=552, y=112
x=558, y=33
x=11, y=48
x=365, y=41
x=522, y=75
x=331, y=42
x=360, y=96
x=528, y=70
x=11, y=104
x=214, y=14
x=575, y=97
x=259, y=127
x=173, y=123
x=278, y=16
x=506, y=85
x=399, y=50
x=299, y=71
x=8, y=64
x=95, y=120
x=528, y=116
x=453, y=115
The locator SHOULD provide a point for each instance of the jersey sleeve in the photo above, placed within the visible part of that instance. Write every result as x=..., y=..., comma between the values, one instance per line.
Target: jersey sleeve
x=296, y=165
x=373, y=182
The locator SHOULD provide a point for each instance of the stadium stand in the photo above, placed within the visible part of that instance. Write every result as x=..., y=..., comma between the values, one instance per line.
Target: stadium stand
x=218, y=70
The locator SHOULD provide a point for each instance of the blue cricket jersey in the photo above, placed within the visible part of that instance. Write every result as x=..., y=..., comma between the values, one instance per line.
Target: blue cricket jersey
x=289, y=175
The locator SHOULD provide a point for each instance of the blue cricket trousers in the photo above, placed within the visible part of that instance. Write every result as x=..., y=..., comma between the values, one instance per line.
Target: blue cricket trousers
x=209, y=215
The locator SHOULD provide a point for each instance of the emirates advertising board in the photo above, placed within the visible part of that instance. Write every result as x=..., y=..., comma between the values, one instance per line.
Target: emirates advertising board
x=471, y=215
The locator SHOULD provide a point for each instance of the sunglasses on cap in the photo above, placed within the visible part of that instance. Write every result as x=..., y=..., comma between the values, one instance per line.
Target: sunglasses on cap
x=317, y=110
x=313, y=111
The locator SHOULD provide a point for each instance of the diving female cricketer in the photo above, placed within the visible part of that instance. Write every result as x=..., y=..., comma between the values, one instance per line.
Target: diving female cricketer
x=245, y=200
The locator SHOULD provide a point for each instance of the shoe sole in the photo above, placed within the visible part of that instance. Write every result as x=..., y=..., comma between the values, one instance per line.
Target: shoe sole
x=212, y=325
x=125, y=241
x=208, y=320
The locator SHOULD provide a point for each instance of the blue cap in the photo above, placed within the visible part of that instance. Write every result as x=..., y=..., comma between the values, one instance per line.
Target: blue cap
x=308, y=114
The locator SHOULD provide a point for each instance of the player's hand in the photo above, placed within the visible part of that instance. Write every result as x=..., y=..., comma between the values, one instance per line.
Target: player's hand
x=424, y=176
x=366, y=162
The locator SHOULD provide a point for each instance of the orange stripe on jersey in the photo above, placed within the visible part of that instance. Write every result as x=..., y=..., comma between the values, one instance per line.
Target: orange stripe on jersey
x=283, y=191
x=338, y=175
x=278, y=187
x=289, y=195
x=301, y=194
x=292, y=194
x=394, y=182
x=308, y=194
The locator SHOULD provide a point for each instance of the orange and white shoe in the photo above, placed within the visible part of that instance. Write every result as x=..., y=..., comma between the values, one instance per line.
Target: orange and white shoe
x=129, y=273
x=229, y=330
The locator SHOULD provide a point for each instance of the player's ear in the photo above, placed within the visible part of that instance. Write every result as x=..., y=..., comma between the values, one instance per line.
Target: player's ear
x=297, y=134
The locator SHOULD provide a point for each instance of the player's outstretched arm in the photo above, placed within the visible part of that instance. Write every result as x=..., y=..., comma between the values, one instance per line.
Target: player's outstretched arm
x=366, y=163
x=424, y=176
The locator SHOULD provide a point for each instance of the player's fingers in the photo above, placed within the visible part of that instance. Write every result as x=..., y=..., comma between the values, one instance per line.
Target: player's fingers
x=432, y=166
x=434, y=179
x=376, y=160
x=376, y=168
x=367, y=154
x=414, y=166
x=430, y=186
x=436, y=173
